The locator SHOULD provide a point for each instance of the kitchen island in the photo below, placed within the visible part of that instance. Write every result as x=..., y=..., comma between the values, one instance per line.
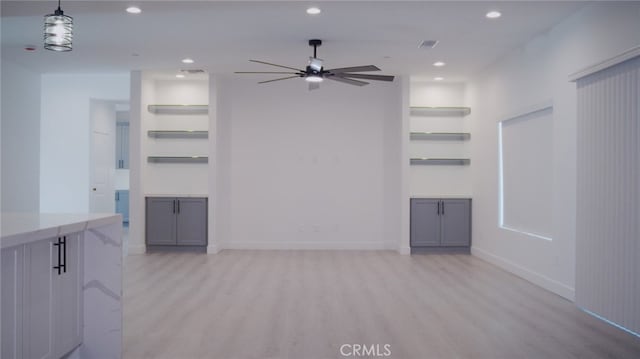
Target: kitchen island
x=61, y=285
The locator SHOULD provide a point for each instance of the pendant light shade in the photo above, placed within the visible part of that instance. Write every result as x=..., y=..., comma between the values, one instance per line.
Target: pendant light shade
x=58, y=31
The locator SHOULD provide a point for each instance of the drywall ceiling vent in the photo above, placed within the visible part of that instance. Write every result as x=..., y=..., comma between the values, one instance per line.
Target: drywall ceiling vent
x=192, y=71
x=428, y=44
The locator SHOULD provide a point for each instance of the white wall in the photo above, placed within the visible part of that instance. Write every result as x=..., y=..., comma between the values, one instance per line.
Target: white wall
x=175, y=178
x=65, y=135
x=533, y=74
x=434, y=181
x=309, y=169
x=20, y=138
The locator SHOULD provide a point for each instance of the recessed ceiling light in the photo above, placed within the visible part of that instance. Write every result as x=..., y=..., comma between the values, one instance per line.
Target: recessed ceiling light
x=133, y=10
x=187, y=61
x=439, y=63
x=313, y=11
x=438, y=78
x=180, y=76
x=493, y=14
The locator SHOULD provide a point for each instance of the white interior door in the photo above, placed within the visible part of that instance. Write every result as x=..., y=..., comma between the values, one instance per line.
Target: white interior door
x=103, y=126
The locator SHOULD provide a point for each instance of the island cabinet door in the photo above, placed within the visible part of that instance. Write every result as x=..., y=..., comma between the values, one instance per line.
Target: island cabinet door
x=191, y=221
x=161, y=221
x=12, y=267
x=38, y=310
x=67, y=295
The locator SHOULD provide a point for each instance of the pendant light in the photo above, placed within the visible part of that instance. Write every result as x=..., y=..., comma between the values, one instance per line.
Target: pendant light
x=58, y=31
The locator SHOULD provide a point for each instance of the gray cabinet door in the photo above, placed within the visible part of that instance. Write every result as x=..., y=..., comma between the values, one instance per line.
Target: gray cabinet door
x=425, y=223
x=122, y=145
x=161, y=221
x=191, y=221
x=125, y=146
x=456, y=222
x=122, y=204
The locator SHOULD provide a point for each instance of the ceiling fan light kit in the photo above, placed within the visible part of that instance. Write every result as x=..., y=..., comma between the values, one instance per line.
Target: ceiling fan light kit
x=314, y=72
x=58, y=31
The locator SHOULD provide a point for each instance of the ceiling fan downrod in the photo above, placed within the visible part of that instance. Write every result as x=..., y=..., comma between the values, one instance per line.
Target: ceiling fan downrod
x=315, y=43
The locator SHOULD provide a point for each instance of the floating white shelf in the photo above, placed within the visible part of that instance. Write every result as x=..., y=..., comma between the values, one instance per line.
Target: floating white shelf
x=178, y=159
x=440, y=161
x=453, y=136
x=178, y=134
x=179, y=109
x=439, y=111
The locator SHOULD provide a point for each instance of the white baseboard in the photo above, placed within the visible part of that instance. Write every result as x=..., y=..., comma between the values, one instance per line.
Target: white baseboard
x=533, y=277
x=293, y=245
x=212, y=249
x=137, y=250
x=404, y=250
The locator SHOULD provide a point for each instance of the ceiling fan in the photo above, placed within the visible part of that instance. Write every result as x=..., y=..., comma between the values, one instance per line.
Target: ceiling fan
x=314, y=72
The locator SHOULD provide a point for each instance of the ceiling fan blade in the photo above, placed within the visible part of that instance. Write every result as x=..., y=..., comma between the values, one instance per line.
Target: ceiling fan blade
x=354, y=69
x=347, y=81
x=314, y=86
x=268, y=63
x=263, y=72
x=367, y=77
x=282, y=78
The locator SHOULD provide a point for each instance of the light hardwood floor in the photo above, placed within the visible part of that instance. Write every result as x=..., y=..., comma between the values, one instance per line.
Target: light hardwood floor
x=306, y=304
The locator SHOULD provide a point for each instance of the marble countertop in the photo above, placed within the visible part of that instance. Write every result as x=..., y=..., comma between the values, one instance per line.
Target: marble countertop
x=21, y=228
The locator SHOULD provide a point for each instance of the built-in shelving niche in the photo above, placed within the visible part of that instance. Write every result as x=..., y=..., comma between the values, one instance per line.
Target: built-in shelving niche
x=440, y=161
x=445, y=136
x=178, y=134
x=178, y=159
x=439, y=111
x=179, y=109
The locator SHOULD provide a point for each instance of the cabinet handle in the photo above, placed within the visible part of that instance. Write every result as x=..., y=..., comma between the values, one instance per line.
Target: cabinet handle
x=443, y=208
x=64, y=253
x=174, y=206
x=438, y=209
x=59, y=266
x=178, y=206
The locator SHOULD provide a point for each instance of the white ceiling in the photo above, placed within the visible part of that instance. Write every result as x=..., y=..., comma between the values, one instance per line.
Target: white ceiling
x=222, y=36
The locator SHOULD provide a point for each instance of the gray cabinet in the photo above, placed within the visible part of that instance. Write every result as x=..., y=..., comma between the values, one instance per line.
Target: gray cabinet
x=122, y=145
x=122, y=204
x=176, y=221
x=440, y=223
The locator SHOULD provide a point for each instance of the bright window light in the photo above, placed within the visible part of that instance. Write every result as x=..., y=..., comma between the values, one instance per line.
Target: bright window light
x=525, y=178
